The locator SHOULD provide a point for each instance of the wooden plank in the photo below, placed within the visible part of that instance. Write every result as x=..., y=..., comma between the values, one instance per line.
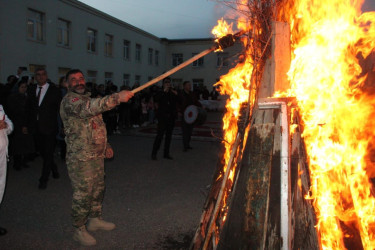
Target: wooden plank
x=304, y=232
x=272, y=235
x=246, y=220
x=209, y=204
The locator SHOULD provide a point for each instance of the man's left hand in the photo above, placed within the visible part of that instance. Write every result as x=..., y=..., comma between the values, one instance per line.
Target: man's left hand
x=108, y=153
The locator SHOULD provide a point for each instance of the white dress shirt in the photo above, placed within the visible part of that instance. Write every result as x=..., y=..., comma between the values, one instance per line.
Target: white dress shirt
x=43, y=93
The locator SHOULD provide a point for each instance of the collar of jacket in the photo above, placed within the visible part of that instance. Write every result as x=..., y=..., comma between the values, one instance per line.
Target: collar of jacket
x=87, y=94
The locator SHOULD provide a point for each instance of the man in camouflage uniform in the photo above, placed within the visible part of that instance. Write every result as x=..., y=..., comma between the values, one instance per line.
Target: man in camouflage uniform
x=87, y=146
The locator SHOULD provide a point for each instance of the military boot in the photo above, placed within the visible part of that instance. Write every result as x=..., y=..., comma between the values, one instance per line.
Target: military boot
x=83, y=237
x=98, y=223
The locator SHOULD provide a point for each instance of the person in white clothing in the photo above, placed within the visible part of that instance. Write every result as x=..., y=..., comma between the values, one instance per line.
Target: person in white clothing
x=6, y=127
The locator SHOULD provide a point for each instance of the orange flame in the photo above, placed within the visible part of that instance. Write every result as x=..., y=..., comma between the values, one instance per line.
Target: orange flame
x=220, y=30
x=329, y=40
x=331, y=43
x=235, y=85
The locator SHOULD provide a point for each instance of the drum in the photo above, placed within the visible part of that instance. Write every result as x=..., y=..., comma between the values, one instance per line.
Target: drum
x=195, y=115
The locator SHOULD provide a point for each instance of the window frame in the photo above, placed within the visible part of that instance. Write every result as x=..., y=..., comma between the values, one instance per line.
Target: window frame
x=222, y=60
x=126, y=80
x=108, y=45
x=138, y=52
x=177, y=59
x=108, y=76
x=137, y=79
x=89, y=42
x=91, y=76
x=61, y=29
x=150, y=55
x=197, y=63
x=126, y=49
x=157, y=57
x=35, y=36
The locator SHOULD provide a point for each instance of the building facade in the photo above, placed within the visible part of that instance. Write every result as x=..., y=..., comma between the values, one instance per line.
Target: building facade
x=64, y=34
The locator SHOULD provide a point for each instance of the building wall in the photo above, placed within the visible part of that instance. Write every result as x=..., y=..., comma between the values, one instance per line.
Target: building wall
x=16, y=49
x=209, y=72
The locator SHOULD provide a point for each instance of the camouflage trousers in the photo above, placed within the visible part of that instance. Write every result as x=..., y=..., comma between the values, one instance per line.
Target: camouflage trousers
x=87, y=178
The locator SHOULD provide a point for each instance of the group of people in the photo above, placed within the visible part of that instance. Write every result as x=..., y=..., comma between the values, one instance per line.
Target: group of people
x=170, y=103
x=41, y=114
x=85, y=135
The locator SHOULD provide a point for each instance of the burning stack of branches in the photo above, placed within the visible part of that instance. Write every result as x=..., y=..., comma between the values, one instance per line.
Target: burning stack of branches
x=241, y=84
x=331, y=42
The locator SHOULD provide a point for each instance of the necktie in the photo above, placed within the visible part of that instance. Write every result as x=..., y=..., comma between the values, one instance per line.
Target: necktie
x=38, y=96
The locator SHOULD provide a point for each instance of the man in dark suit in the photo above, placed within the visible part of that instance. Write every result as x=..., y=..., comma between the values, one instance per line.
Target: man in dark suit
x=166, y=114
x=43, y=107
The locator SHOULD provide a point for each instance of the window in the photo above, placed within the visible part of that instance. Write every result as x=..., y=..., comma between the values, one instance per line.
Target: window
x=222, y=60
x=177, y=83
x=62, y=71
x=150, y=55
x=33, y=67
x=126, y=50
x=177, y=59
x=126, y=80
x=35, y=25
x=198, y=83
x=138, y=80
x=156, y=57
x=138, y=49
x=91, y=76
x=91, y=40
x=108, y=45
x=199, y=62
x=63, y=32
x=108, y=77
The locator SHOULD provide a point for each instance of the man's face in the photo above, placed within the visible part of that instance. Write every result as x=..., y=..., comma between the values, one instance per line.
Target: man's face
x=41, y=77
x=76, y=83
x=187, y=87
x=22, y=88
x=166, y=84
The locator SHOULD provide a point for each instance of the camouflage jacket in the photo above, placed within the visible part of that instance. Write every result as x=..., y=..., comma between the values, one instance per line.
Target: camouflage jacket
x=86, y=135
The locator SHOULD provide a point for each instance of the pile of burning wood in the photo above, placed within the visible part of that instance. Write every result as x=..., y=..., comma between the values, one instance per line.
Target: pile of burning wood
x=296, y=172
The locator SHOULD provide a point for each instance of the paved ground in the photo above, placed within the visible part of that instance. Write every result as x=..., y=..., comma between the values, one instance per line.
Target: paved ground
x=154, y=204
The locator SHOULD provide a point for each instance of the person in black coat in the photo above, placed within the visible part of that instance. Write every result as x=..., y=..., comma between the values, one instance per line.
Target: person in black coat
x=42, y=109
x=166, y=100
x=21, y=142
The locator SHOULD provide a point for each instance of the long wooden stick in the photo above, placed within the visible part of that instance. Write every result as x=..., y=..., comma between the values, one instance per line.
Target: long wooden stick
x=171, y=71
x=186, y=63
x=221, y=193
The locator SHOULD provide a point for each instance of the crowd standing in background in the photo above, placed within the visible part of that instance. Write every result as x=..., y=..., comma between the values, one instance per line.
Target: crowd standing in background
x=33, y=104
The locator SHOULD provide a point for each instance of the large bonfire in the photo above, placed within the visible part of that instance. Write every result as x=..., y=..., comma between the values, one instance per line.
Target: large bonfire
x=331, y=42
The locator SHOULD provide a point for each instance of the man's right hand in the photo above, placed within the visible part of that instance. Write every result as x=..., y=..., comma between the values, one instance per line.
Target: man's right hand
x=125, y=95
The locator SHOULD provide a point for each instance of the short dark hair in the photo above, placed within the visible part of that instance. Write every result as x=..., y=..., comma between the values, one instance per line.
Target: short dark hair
x=10, y=77
x=167, y=78
x=185, y=82
x=23, y=80
x=71, y=72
